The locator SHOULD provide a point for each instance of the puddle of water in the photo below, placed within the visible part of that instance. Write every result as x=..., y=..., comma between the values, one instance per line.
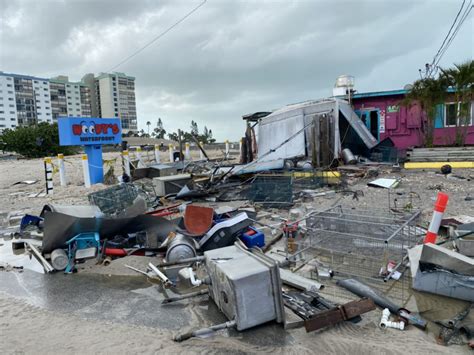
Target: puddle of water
x=18, y=258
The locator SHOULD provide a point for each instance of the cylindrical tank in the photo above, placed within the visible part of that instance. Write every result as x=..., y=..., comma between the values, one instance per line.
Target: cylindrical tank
x=304, y=164
x=348, y=157
x=289, y=164
x=59, y=259
x=181, y=247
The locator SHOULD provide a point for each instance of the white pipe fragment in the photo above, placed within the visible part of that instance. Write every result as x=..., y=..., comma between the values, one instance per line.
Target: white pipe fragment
x=227, y=148
x=157, y=153
x=62, y=170
x=85, y=170
x=126, y=162
x=139, y=158
x=187, y=153
x=192, y=277
x=385, y=323
x=170, y=150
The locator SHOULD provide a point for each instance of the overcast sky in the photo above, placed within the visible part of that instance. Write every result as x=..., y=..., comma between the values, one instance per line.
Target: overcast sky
x=230, y=57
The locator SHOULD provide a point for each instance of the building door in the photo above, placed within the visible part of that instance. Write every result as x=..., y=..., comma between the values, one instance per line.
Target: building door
x=371, y=119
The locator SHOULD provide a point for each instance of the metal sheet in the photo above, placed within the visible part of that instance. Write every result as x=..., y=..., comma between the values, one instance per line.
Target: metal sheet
x=357, y=124
x=273, y=132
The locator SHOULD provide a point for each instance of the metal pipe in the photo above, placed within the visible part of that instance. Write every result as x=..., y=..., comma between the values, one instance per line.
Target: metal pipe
x=137, y=270
x=46, y=265
x=204, y=331
x=188, y=295
x=363, y=290
x=182, y=261
x=166, y=281
x=409, y=220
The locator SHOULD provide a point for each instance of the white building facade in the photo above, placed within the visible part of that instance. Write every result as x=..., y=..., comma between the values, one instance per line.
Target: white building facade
x=26, y=100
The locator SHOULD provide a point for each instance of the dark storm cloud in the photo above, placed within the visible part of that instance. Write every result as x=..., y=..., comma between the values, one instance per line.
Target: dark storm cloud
x=230, y=57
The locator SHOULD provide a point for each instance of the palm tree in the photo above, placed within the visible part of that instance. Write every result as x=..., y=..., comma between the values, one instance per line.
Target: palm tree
x=461, y=79
x=148, y=123
x=428, y=92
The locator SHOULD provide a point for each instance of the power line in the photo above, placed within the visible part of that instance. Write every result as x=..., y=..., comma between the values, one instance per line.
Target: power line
x=158, y=36
x=447, y=35
x=450, y=36
x=458, y=27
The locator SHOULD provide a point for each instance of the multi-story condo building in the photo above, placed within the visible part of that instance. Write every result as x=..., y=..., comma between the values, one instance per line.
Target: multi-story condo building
x=26, y=100
x=115, y=95
x=71, y=99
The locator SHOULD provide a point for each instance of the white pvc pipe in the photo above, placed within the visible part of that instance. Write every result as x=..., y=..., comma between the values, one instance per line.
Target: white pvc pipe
x=85, y=170
x=126, y=162
x=192, y=277
x=139, y=158
x=157, y=153
x=62, y=170
x=170, y=150
x=385, y=323
x=187, y=153
x=227, y=148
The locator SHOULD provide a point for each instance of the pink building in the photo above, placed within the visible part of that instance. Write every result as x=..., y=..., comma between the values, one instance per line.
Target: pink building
x=385, y=117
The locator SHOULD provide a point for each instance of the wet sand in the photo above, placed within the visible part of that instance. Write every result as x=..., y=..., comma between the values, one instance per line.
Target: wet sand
x=38, y=316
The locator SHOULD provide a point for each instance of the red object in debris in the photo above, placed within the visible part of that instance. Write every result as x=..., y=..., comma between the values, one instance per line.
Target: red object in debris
x=250, y=232
x=115, y=252
x=122, y=252
x=439, y=208
x=198, y=219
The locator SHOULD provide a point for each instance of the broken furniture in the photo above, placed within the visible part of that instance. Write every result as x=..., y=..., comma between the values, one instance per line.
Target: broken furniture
x=82, y=246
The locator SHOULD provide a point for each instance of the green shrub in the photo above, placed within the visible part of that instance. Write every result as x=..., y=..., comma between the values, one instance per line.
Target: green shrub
x=36, y=141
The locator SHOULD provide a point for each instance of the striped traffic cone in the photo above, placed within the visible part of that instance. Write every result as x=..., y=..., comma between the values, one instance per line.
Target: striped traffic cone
x=438, y=212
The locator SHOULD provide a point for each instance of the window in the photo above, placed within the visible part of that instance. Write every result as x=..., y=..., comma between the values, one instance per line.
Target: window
x=69, y=97
x=45, y=89
x=68, y=85
x=10, y=98
x=455, y=109
x=9, y=85
x=47, y=108
x=47, y=114
x=2, y=112
x=36, y=81
x=12, y=112
x=11, y=105
x=9, y=78
x=45, y=95
x=44, y=82
x=69, y=91
x=47, y=102
x=10, y=92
